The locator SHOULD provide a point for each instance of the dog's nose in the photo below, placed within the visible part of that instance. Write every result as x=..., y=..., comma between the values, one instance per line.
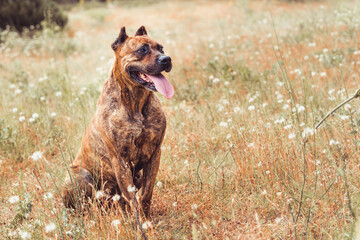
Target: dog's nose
x=164, y=60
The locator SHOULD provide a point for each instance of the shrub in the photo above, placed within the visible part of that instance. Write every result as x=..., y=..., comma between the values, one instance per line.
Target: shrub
x=20, y=14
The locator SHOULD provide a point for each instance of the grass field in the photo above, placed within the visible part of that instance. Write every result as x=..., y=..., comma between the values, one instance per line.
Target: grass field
x=240, y=159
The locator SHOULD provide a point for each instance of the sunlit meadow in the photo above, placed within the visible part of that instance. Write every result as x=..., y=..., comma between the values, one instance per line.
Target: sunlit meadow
x=241, y=158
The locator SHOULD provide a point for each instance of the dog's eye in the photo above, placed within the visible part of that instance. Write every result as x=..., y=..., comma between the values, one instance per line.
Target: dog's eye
x=143, y=50
x=161, y=49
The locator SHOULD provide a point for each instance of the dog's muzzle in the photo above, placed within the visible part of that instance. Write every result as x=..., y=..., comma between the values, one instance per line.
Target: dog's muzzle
x=165, y=63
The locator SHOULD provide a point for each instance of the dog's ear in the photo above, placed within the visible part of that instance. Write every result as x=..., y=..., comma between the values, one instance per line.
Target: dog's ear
x=141, y=31
x=120, y=39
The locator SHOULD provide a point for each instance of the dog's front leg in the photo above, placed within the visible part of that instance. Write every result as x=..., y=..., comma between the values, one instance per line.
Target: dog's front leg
x=123, y=175
x=149, y=176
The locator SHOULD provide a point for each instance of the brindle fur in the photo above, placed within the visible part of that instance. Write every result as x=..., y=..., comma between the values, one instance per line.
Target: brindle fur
x=121, y=145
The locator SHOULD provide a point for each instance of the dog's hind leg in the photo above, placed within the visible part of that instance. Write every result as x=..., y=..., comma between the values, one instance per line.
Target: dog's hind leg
x=78, y=188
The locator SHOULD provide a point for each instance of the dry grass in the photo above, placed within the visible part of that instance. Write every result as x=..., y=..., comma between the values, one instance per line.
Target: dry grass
x=240, y=159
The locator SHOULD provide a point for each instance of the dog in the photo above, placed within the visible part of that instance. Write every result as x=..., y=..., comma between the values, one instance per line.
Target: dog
x=120, y=150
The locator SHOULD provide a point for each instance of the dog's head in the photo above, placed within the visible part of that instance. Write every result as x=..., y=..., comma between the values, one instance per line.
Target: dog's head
x=141, y=61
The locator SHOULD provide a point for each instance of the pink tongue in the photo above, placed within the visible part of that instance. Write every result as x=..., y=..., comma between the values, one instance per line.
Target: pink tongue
x=162, y=85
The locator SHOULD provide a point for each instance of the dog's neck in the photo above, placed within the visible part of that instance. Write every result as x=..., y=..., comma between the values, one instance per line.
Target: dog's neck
x=133, y=97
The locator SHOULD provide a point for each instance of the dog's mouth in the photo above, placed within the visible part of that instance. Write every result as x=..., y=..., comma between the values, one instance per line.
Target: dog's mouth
x=154, y=82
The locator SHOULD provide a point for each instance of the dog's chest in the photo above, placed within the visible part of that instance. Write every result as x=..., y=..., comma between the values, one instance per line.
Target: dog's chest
x=139, y=136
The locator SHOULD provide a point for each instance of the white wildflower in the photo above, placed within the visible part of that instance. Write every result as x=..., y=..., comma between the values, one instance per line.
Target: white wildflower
x=21, y=119
x=58, y=93
x=131, y=189
x=115, y=223
x=48, y=196
x=265, y=104
x=14, y=199
x=194, y=206
x=286, y=107
x=116, y=197
x=292, y=135
x=25, y=235
x=307, y=132
x=228, y=136
x=146, y=225
x=50, y=227
x=251, y=145
x=287, y=127
x=36, y=155
x=31, y=120
x=264, y=192
x=323, y=74
x=174, y=204
x=237, y=109
x=333, y=142
x=279, y=121
x=14, y=110
x=343, y=117
x=159, y=184
x=42, y=98
x=17, y=91
x=216, y=80
x=250, y=108
x=99, y=194
x=53, y=114
x=300, y=109
x=347, y=107
x=186, y=163
x=267, y=172
x=223, y=124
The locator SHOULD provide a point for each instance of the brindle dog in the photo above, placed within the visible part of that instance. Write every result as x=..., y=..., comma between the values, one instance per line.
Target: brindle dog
x=120, y=150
